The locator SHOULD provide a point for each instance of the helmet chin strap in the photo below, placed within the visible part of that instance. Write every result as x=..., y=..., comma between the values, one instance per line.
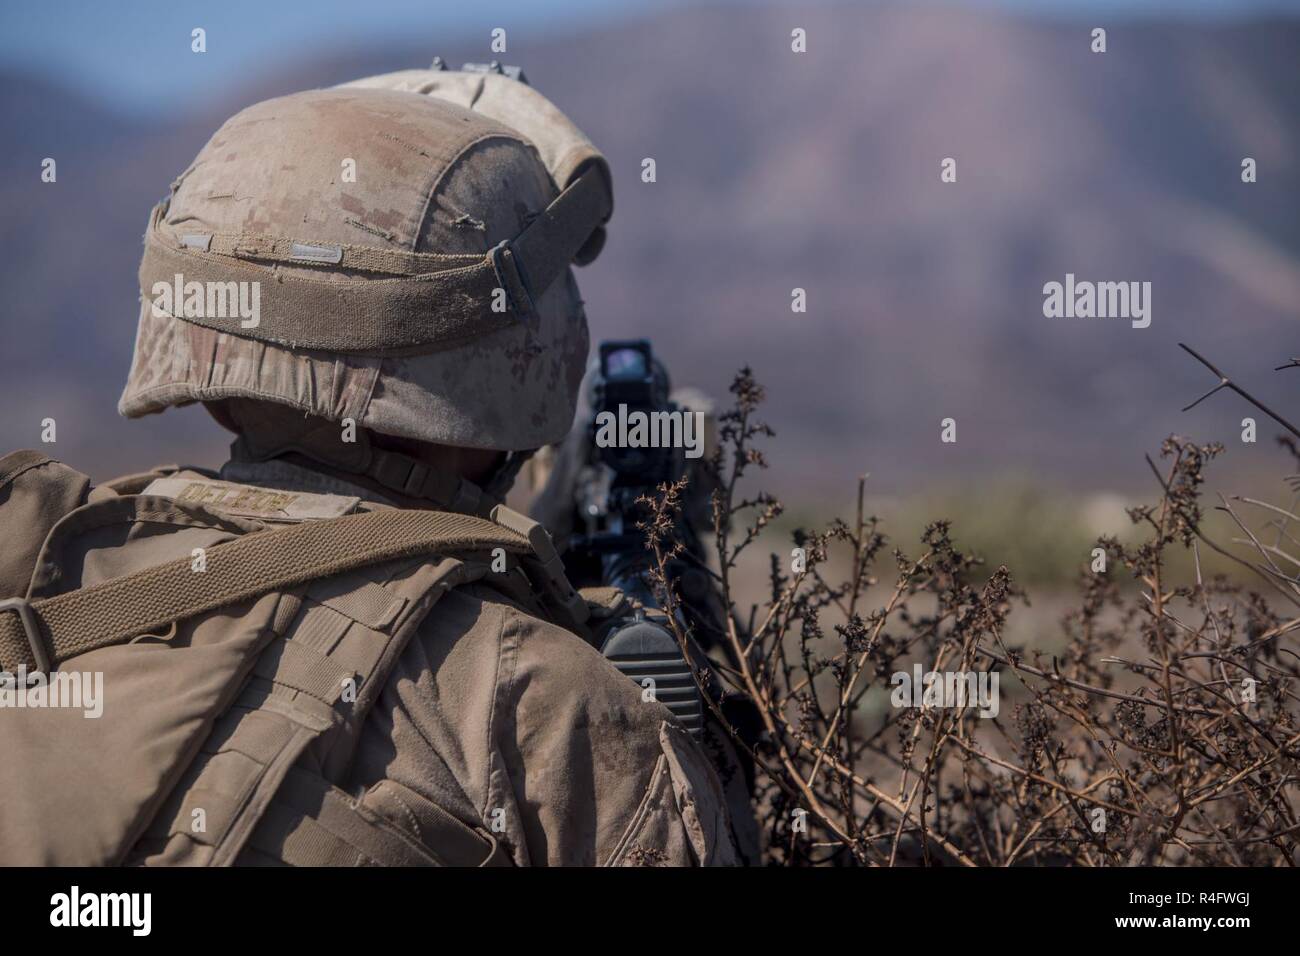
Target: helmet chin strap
x=267, y=432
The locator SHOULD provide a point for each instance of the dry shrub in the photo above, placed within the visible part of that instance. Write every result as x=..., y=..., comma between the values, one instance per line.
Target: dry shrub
x=1138, y=744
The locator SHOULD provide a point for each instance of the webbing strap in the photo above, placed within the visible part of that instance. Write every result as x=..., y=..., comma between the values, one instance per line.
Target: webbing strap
x=115, y=611
x=418, y=301
x=392, y=262
x=414, y=478
x=304, y=669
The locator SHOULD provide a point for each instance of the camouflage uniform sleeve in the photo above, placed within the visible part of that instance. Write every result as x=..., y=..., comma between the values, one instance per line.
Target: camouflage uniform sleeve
x=520, y=729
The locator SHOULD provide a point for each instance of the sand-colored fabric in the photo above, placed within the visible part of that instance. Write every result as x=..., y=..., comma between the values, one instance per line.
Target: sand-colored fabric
x=482, y=715
x=504, y=719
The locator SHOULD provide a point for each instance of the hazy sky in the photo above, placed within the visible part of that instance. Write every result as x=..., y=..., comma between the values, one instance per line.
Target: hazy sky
x=136, y=53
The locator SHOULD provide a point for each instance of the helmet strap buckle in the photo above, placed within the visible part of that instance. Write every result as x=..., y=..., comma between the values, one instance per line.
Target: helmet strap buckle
x=511, y=278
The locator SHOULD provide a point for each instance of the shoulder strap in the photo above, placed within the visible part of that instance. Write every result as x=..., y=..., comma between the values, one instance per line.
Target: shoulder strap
x=39, y=635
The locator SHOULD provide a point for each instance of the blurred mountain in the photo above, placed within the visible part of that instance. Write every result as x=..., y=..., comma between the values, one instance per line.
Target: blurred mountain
x=818, y=171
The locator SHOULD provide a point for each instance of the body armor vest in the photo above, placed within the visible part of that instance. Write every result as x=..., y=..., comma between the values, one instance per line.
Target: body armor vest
x=226, y=733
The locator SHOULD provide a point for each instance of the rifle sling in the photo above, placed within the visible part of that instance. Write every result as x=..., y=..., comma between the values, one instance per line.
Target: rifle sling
x=75, y=622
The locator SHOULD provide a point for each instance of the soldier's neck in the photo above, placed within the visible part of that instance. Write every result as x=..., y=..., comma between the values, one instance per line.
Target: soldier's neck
x=286, y=475
x=387, y=479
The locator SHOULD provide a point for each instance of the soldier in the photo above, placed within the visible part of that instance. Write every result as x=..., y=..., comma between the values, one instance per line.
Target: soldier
x=340, y=648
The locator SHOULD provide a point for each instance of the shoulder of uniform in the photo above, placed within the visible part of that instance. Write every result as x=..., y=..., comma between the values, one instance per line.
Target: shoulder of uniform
x=485, y=606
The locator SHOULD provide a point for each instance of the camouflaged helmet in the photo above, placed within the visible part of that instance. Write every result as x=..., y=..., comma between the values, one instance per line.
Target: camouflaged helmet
x=395, y=251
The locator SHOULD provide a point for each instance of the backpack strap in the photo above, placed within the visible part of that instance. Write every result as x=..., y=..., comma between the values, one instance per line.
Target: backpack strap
x=40, y=635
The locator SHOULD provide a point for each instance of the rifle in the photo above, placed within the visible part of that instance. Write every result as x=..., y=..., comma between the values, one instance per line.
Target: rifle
x=594, y=503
